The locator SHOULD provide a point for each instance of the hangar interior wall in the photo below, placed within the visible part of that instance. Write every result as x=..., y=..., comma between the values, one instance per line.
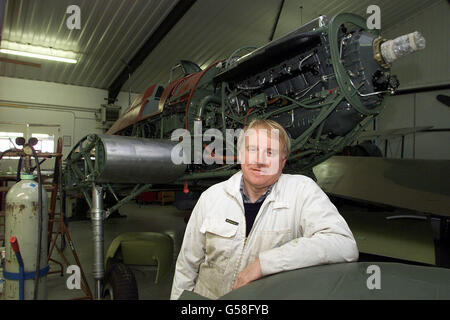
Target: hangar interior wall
x=71, y=115
x=425, y=68
x=52, y=108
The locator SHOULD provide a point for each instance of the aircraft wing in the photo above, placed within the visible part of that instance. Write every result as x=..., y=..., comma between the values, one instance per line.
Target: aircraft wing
x=419, y=185
x=348, y=281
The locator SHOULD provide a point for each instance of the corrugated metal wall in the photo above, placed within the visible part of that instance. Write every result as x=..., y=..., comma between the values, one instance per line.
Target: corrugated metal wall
x=212, y=29
x=430, y=66
x=113, y=30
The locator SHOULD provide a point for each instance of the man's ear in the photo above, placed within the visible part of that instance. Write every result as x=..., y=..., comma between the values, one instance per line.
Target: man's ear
x=283, y=163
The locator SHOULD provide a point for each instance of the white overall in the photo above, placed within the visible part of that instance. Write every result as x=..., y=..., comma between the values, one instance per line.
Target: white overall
x=296, y=227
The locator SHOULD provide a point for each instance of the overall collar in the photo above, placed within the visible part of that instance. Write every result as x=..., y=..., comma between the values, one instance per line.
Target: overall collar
x=233, y=184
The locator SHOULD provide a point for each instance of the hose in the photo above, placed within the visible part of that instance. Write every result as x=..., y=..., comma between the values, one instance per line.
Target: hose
x=38, y=258
x=230, y=58
x=19, y=168
x=6, y=151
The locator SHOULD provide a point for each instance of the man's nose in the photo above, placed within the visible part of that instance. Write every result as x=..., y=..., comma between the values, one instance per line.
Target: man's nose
x=262, y=158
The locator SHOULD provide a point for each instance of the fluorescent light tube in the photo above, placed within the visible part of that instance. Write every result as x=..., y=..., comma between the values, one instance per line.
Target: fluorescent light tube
x=36, y=55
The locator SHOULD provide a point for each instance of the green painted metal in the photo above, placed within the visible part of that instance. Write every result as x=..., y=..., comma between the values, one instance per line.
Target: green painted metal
x=346, y=281
x=135, y=192
x=342, y=77
x=375, y=233
x=418, y=185
x=142, y=248
x=301, y=140
x=260, y=99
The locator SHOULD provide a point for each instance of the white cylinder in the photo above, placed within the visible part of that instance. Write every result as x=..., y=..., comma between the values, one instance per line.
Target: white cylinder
x=401, y=46
x=21, y=221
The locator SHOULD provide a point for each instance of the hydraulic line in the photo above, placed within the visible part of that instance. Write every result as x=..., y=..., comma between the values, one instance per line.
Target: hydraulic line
x=39, y=243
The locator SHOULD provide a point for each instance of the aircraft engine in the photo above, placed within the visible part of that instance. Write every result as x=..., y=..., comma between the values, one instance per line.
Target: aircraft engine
x=323, y=82
x=339, y=56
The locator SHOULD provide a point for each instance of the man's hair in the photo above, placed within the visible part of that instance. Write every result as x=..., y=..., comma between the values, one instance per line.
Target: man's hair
x=268, y=124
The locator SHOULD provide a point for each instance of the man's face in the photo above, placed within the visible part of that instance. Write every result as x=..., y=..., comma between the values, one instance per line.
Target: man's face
x=261, y=157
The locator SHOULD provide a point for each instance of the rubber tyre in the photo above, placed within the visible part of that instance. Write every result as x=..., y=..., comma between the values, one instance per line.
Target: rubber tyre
x=120, y=283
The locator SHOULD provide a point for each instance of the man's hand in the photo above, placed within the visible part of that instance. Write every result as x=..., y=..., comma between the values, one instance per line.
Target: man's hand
x=251, y=273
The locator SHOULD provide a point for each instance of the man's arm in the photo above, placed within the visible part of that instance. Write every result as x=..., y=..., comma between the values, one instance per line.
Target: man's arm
x=191, y=253
x=250, y=273
x=326, y=237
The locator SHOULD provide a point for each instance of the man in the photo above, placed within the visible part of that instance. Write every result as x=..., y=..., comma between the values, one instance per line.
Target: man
x=259, y=222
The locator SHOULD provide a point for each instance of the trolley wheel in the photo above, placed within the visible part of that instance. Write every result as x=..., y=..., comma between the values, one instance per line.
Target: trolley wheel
x=120, y=283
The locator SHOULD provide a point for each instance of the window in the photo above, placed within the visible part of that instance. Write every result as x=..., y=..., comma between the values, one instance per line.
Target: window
x=46, y=142
x=8, y=141
x=159, y=92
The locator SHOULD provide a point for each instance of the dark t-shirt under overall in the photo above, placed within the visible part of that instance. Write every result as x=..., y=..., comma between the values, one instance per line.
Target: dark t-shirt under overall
x=251, y=209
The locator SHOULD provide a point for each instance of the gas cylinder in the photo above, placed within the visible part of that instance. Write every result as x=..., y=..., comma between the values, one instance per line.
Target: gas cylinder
x=22, y=221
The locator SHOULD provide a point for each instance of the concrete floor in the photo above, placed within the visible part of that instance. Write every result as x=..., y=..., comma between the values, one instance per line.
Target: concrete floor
x=146, y=218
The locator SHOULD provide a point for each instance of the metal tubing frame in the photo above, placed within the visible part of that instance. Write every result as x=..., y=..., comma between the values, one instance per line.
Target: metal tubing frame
x=135, y=192
x=97, y=213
